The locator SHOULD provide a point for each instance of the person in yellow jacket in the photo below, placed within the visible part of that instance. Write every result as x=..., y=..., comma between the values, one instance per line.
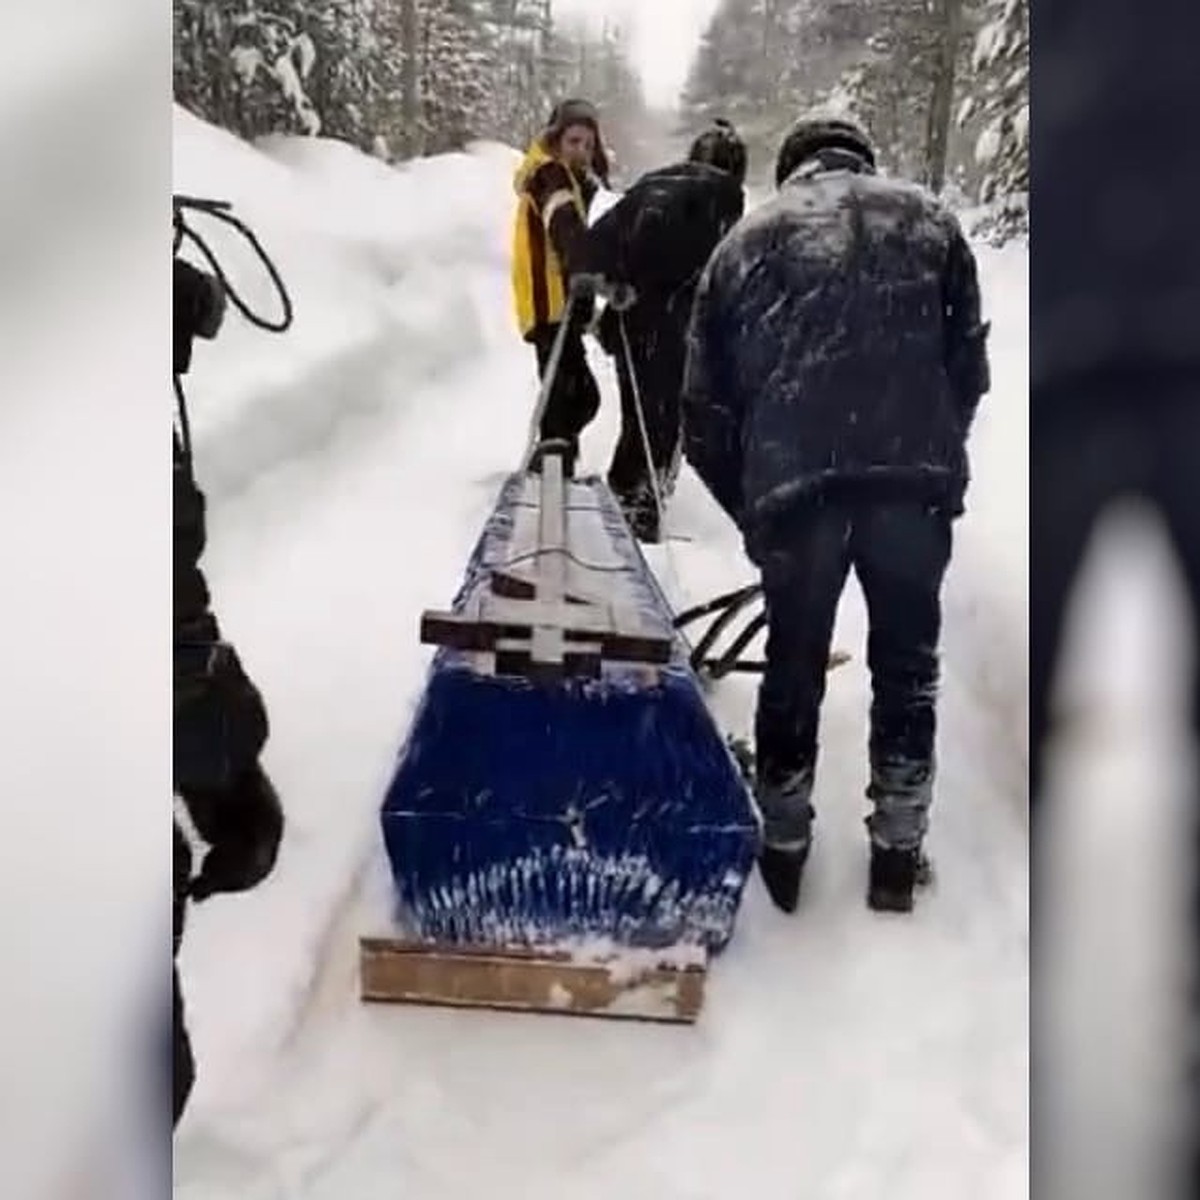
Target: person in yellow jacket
x=555, y=184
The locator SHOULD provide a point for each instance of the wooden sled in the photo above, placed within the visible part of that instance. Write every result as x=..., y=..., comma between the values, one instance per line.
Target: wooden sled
x=398, y=971
x=552, y=611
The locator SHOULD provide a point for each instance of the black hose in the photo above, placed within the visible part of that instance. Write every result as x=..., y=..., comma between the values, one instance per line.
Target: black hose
x=220, y=209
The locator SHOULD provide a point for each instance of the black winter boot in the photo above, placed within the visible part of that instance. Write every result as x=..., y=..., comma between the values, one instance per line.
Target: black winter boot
x=643, y=521
x=641, y=513
x=787, y=836
x=894, y=874
x=782, y=872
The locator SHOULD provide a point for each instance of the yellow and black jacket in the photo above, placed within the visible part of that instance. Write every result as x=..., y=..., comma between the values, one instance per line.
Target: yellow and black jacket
x=548, y=236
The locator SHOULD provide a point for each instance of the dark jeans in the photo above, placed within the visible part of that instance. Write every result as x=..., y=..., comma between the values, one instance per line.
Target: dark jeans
x=899, y=550
x=658, y=351
x=575, y=396
x=1087, y=449
x=184, y=1067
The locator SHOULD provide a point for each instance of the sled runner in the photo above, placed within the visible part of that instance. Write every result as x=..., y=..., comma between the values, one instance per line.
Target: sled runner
x=725, y=610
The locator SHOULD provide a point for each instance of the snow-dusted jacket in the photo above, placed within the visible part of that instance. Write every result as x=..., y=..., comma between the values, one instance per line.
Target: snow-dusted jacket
x=835, y=345
x=660, y=234
x=658, y=238
x=220, y=724
x=220, y=721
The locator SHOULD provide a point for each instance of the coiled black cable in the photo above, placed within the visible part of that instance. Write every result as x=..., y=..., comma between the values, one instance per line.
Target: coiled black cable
x=220, y=209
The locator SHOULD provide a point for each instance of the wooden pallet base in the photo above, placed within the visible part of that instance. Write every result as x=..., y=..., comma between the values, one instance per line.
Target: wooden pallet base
x=396, y=971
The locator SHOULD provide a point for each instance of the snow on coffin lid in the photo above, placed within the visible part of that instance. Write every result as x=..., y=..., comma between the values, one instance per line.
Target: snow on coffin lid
x=536, y=807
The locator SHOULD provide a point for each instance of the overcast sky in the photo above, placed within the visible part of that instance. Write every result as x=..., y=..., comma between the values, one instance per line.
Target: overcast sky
x=665, y=35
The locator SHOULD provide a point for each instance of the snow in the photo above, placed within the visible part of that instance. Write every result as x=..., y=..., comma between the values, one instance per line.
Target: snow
x=987, y=145
x=350, y=464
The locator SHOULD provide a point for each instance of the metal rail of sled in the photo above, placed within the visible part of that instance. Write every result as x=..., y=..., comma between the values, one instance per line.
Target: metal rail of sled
x=725, y=610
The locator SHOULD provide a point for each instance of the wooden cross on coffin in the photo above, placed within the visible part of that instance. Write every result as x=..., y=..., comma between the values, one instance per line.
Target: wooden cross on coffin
x=555, y=616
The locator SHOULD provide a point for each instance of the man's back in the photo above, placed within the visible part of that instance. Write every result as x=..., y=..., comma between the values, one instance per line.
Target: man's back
x=827, y=319
x=659, y=235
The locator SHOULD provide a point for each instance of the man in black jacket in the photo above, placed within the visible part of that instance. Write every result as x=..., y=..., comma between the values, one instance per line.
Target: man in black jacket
x=836, y=361
x=656, y=240
x=220, y=724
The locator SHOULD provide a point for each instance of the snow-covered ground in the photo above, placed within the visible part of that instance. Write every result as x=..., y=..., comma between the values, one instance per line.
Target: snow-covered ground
x=350, y=463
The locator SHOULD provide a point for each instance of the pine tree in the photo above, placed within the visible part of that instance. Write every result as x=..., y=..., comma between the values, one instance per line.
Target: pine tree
x=393, y=77
x=763, y=63
x=455, y=64
x=889, y=90
x=346, y=87
x=998, y=101
x=245, y=64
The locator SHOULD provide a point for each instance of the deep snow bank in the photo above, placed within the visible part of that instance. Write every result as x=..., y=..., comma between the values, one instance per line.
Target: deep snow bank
x=986, y=640
x=379, y=262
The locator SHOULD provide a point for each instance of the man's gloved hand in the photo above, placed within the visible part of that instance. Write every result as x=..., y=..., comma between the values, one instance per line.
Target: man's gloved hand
x=243, y=827
x=583, y=287
x=621, y=296
x=200, y=301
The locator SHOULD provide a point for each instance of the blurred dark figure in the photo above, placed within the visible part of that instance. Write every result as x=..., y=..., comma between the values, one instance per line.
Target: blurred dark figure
x=220, y=724
x=1114, y=303
x=836, y=361
x=1114, y=317
x=656, y=239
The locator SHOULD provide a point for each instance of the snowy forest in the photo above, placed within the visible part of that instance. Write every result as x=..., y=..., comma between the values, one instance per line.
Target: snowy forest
x=398, y=78
x=943, y=85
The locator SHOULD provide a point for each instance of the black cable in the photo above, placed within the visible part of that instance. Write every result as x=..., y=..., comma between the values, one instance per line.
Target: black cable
x=220, y=209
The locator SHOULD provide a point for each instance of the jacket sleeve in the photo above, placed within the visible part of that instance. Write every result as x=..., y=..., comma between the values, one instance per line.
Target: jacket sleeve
x=733, y=205
x=966, y=333
x=199, y=308
x=553, y=197
x=220, y=721
x=604, y=246
x=712, y=417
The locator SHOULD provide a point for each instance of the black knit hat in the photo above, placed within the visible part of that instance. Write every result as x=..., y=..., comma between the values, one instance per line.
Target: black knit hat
x=811, y=135
x=579, y=112
x=573, y=112
x=720, y=147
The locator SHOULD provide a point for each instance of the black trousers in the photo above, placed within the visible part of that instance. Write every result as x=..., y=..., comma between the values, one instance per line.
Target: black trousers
x=575, y=396
x=899, y=551
x=658, y=350
x=1088, y=448
x=183, y=1065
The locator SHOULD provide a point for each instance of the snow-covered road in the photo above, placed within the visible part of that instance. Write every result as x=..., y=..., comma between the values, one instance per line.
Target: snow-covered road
x=841, y=1055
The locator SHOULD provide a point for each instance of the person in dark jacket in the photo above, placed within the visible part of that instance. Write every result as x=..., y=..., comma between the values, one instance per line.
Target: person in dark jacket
x=656, y=239
x=220, y=724
x=555, y=183
x=1115, y=360
x=836, y=361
